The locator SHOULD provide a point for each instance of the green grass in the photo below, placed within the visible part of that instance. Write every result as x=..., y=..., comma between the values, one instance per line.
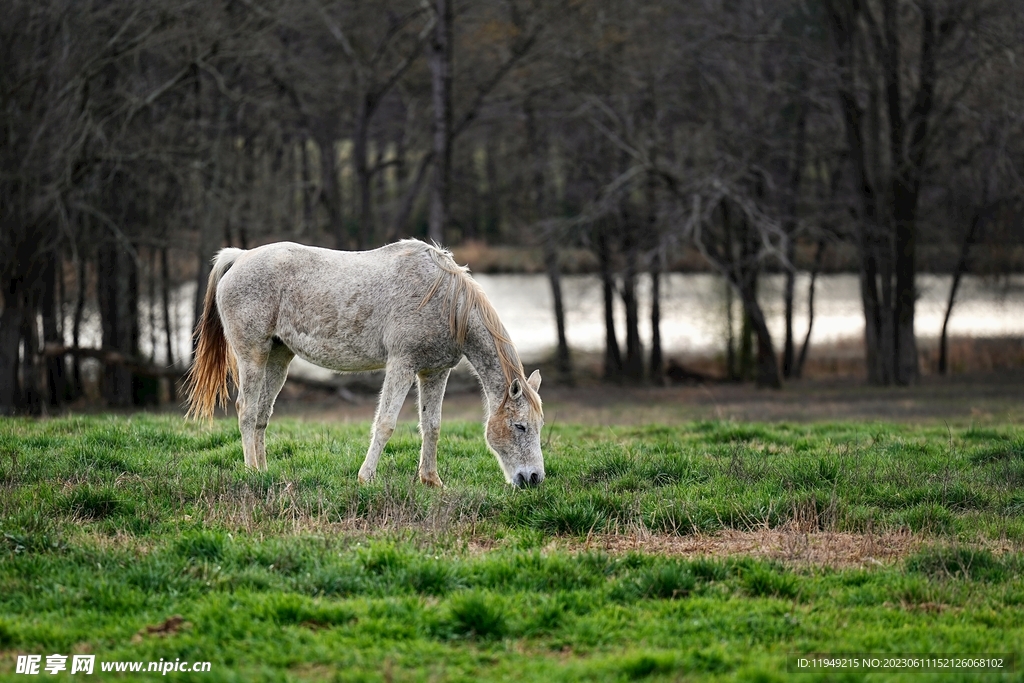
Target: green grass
x=110, y=525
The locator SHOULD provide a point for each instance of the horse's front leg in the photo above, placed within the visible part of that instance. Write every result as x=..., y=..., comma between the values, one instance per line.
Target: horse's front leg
x=397, y=379
x=431, y=387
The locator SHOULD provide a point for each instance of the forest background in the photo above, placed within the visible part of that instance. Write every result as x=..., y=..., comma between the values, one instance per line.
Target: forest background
x=630, y=140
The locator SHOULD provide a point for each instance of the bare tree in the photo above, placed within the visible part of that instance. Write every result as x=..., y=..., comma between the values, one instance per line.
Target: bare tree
x=377, y=67
x=899, y=73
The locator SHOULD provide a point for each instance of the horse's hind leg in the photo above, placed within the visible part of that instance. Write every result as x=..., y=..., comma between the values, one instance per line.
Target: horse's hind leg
x=397, y=379
x=431, y=395
x=251, y=372
x=275, y=373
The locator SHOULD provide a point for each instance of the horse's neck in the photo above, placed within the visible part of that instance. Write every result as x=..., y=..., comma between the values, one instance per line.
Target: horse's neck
x=483, y=356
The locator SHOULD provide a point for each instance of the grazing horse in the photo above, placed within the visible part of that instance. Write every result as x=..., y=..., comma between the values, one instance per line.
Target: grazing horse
x=406, y=308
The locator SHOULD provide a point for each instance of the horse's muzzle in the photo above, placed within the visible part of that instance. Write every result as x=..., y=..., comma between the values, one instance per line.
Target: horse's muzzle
x=527, y=477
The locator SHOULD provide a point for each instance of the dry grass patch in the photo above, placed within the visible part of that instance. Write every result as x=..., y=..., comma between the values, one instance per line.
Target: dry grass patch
x=817, y=548
x=832, y=549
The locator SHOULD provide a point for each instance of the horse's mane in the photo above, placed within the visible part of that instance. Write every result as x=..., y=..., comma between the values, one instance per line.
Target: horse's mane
x=462, y=295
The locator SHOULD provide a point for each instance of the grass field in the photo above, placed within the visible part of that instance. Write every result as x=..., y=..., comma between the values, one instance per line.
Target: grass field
x=143, y=538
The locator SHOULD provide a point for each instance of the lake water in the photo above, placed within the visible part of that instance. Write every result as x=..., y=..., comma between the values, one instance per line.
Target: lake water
x=692, y=312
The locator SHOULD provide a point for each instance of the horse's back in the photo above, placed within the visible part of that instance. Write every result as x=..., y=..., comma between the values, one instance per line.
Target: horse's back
x=344, y=310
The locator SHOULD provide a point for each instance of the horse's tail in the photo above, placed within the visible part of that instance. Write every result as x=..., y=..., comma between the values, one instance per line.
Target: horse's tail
x=206, y=385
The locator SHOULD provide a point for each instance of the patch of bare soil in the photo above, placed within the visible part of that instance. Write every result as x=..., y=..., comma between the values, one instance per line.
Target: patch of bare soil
x=168, y=627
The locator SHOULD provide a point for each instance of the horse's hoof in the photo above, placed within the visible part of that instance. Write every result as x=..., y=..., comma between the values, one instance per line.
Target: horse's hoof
x=431, y=480
x=365, y=478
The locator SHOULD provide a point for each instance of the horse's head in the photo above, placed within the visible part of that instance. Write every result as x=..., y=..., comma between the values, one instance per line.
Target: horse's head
x=513, y=433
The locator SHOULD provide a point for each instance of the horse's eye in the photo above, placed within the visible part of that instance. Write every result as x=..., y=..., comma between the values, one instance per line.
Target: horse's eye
x=521, y=428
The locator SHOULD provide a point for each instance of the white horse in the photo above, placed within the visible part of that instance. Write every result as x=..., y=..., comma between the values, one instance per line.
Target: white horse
x=406, y=307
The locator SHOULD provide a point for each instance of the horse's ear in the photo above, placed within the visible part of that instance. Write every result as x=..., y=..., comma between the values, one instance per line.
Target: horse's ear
x=534, y=380
x=515, y=390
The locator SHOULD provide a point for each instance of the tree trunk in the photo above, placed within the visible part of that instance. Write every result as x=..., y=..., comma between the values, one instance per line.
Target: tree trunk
x=563, y=362
x=62, y=329
x=657, y=365
x=958, y=272
x=656, y=370
x=905, y=360
x=441, y=87
x=889, y=331
x=31, y=392
x=731, y=371
x=408, y=203
x=743, y=274
x=401, y=162
x=153, y=305
x=734, y=369
x=790, y=226
x=492, y=207
x=535, y=149
x=331, y=194
x=747, y=365
x=76, y=325
x=818, y=254
x=768, y=374
x=473, y=194
x=633, y=369
x=904, y=201
x=843, y=24
x=165, y=293
x=612, y=355
x=309, y=190
x=10, y=340
x=788, y=351
x=364, y=181
x=117, y=290
x=249, y=180
x=55, y=365
x=61, y=300
x=872, y=315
